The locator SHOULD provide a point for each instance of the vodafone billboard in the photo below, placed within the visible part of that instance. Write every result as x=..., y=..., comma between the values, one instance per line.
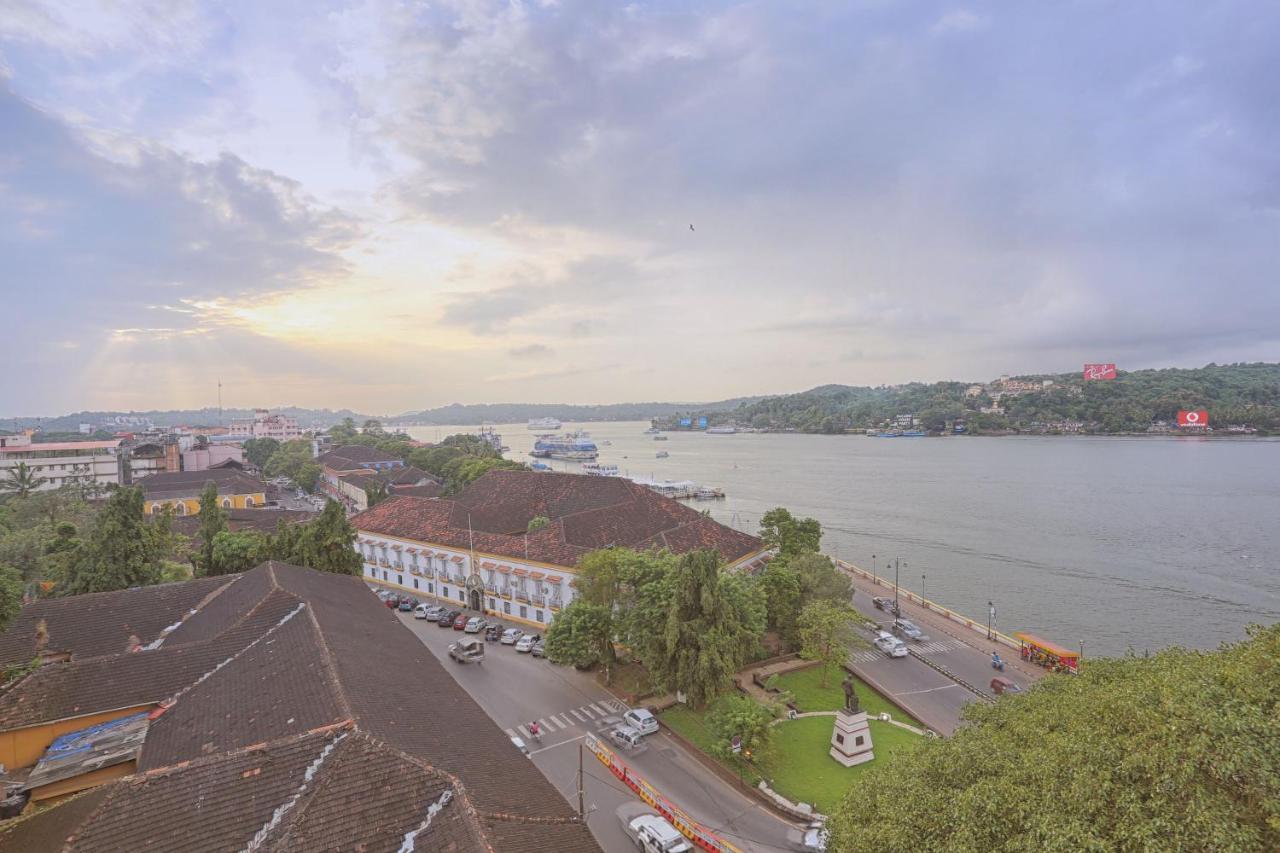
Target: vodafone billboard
x=1193, y=418
x=1094, y=372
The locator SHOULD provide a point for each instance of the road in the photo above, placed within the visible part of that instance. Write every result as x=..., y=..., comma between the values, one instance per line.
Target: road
x=934, y=698
x=514, y=689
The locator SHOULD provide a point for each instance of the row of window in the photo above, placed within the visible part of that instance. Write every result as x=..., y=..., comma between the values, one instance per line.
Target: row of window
x=521, y=610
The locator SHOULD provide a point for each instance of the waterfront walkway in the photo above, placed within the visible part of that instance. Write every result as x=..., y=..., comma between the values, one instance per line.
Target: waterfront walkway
x=943, y=674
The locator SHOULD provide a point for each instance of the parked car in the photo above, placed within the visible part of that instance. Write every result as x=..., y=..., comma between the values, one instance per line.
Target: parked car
x=890, y=645
x=811, y=839
x=447, y=617
x=887, y=604
x=908, y=630
x=653, y=833
x=492, y=633
x=511, y=636
x=407, y=604
x=539, y=649
x=625, y=737
x=383, y=594
x=475, y=625
x=467, y=651
x=519, y=744
x=641, y=720
x=460, y=621
x=423, y=611
x=392, y=601
x=525, y=643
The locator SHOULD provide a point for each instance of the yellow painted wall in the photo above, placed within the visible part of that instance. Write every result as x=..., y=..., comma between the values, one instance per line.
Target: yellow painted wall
x=192, y=505
x=92, y=779
x=23, y=747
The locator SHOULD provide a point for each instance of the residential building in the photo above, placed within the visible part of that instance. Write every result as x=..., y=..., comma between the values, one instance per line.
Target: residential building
x=477, y=552
x=973, y=391
x=404, y=480
x=243, y=713
x=62, y=463
x=213, y=456
x=351, y=459
x=181, y=490
x=263, y=424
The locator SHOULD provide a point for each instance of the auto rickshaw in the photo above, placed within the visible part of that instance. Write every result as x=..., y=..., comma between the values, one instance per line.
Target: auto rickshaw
x=1001, y=685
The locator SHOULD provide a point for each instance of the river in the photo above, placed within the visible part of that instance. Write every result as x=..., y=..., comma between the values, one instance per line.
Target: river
x=1117, y=543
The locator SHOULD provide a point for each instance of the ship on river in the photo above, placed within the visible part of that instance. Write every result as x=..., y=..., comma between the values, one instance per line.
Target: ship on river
x=544, y=424
x=575, y=447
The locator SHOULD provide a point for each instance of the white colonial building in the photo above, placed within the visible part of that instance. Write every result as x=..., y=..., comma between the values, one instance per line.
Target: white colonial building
x=477, y=551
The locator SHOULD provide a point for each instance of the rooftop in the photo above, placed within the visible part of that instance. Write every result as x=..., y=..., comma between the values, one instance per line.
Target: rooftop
x=586, y=513
x=349, y=457
x=230, y=481
x=105, y=444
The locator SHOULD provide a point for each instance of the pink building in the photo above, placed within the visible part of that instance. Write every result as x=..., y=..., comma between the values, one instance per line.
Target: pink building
x=266, y=425
x=204, y=458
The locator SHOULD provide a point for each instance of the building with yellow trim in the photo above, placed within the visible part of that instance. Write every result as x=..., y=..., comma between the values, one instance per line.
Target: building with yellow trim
x=477, y=551
x=181, y=490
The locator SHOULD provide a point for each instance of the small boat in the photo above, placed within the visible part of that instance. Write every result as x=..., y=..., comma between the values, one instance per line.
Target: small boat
x=652, y=431
x=721, y=430
x=706, y=493
x=661, y=454
x=890, y=433
x=543, y=423
x=659, y=438
x=592, y=469
x=913, y=433
x=540, y=466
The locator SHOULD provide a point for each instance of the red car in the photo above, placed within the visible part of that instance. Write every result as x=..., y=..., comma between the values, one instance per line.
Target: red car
x=392, y=601
x=460, y=623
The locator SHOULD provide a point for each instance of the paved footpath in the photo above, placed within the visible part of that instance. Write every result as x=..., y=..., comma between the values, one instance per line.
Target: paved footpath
x=931, y=683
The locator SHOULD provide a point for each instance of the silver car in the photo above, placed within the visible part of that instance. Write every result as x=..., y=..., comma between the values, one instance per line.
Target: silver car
x=890, y=645
x=909, y=630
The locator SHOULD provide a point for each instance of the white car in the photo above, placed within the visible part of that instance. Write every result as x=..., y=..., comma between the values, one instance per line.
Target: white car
x=890, y=645
x=519, y=744
x=426, y=611
x=654, y=834
x=511, y=636
x=641, y=720
x=475, y=625
x=525, y=643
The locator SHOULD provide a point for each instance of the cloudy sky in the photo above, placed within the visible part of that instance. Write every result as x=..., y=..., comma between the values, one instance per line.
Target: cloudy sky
x=395, y=205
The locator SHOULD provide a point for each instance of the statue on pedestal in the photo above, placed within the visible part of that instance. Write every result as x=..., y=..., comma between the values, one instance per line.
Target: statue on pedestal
x=850, y=697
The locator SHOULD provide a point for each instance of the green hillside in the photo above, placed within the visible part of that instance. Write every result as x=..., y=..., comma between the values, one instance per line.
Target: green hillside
x=1247, y=394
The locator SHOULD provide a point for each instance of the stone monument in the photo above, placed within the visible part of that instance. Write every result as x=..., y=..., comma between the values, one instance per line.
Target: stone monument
x=851, y=737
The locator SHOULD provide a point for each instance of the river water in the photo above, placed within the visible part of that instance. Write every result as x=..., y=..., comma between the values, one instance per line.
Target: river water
x=1119, y=543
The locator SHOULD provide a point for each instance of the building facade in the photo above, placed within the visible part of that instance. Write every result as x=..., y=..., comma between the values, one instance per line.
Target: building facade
x=181, y=491
x=263, y=424
x=62, y=463
x=476, y=551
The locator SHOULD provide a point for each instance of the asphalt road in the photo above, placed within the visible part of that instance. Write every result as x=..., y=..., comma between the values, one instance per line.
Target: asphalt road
x=931, y=696
x=514, y=689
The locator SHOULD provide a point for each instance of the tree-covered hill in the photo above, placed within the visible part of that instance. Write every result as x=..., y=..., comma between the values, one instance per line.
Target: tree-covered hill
x=1247, y=394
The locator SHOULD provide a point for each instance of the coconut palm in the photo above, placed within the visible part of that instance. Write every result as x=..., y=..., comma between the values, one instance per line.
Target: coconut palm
x=22, y=480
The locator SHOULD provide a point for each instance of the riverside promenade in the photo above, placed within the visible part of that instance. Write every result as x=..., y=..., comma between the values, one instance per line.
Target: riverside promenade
x=944, y=673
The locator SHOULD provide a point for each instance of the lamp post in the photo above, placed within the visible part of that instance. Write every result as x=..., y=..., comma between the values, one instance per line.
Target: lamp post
x=922, y=590
x=897, y=565
x=991, y=617
x=874, y=582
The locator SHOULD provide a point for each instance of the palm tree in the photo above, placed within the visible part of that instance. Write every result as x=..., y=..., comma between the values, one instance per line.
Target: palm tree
x=22, y=480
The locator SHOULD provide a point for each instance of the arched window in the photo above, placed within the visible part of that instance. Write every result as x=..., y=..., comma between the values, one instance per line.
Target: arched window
x=226, y=503
x=182, y=508
x=248, y=501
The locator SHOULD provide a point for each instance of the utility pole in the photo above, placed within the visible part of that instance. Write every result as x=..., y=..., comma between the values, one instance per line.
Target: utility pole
x=896, y=567
x=991, y=617
x=582, y=810
x=874, y=582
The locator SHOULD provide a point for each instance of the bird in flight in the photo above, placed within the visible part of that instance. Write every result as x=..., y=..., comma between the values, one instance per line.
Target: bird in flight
x=690, y=226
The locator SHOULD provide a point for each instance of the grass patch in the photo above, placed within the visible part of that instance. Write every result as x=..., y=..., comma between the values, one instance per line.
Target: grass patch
x=692, y=726
x=802, y=770
x=630, y=678
x=806, y=686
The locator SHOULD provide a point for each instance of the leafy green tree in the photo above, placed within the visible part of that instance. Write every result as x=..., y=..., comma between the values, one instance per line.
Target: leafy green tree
x=343, y=432
x=308, y=475
x=11, y=589
x=373, y=427
x=325, y=544
x=782, y=593
x=258, y=450
x=714, y=623
x=790, y=535
x=820, y=580
x=375, y=494
x=735, y=715
x=581, y=636
x=1177, y=751
x=537, y=523
x=213, y=520
x=237, y=552
x=288, y=459
x=123, y=550
x=21, y=480
x=826, y=632
x=23, y=550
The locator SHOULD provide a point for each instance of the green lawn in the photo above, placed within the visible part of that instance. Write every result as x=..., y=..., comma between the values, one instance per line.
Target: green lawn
x=802, y=770
x=689, y=724
x=805, y=685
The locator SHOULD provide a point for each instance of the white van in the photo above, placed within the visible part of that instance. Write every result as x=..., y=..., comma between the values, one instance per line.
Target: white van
x=641, y=720
x=625, y=737
x=654, y=834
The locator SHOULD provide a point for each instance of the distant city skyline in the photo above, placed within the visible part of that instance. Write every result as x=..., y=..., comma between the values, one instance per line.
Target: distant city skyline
x=390, y=207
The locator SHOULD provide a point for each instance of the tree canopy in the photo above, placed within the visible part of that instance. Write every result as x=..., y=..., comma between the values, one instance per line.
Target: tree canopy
x=790, y=535
x=122, y=550
x=1179, y=751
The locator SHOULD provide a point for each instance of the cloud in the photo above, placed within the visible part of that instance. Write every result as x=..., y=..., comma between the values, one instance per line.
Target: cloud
x=960, y=21
x=531, y=351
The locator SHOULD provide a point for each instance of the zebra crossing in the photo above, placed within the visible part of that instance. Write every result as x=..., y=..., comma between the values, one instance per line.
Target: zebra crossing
x=583, y=715
x=933, y=647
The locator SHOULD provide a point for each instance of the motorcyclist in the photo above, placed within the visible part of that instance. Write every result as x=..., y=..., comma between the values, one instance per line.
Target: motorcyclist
x=534, y=730
x=996, y=662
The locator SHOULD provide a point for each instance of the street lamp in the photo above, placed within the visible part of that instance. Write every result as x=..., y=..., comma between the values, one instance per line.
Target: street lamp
x=922, y=592
x=897, y=565
x=991, y=617
x=874, y=582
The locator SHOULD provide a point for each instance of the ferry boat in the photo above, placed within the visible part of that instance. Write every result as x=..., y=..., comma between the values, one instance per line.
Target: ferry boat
x=593, y=469
x=661, y=454
x=706, y=493
x=544, y=424
x=889, y=433
x=669, y=488
x=721, y=430
x=913, y=433
x=491, y=438
x=574, y=447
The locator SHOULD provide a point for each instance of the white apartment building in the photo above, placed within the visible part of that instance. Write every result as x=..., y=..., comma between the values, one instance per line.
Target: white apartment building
x=263, y=424
x=62, y=463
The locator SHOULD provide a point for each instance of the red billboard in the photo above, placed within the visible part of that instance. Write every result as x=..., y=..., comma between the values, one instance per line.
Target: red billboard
x=1094, y=372
x=1193, y=418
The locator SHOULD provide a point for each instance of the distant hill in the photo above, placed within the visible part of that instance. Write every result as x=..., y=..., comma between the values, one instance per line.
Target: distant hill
x=1247, y=394
x=515, y=412
x=177, y=417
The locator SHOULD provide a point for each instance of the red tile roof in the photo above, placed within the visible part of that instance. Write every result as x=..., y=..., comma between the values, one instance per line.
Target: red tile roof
x=586, y=513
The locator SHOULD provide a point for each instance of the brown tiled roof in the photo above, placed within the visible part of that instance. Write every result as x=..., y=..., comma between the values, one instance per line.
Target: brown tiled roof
x=191, y=483
x=279, y=652
x=103, y=623
x=263, y=520
x=586, y=513
x=349, y=457
x=430, y=490
x=332, y=789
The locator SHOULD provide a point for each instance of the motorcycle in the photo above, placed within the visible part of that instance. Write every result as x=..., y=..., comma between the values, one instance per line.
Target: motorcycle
x=997, y=663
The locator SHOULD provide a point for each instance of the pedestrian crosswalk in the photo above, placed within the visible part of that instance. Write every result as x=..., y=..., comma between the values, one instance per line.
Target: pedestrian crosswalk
x=582, y=717
x=932, y=647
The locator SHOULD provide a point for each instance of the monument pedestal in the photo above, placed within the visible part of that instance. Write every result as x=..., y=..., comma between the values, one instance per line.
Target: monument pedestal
x=851, y=739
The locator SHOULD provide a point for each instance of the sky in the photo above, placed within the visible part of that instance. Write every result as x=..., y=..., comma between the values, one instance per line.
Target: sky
x=390, y=206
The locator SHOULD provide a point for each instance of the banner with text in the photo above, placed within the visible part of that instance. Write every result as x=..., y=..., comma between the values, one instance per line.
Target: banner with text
x=1094, y=372
x=1193, y=418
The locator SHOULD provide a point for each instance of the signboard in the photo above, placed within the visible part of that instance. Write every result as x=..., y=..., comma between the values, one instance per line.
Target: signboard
x=684, y=422
x=1193, y=418
x=1094, y=372
x=702, y=422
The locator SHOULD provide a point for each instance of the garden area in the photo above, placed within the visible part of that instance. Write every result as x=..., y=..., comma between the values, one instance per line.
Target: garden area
x=796, y=762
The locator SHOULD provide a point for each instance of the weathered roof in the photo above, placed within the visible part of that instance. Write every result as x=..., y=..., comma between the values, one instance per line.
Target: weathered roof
x=331, y=789
x=263, y=520
x=102, y=623
x=180, y=484
x=586, y=513
x=349, y=457
x=279, y=653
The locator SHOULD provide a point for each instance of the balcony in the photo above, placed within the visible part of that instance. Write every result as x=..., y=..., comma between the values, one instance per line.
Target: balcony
x=506, y=594
x=491, y=588
x=538, y=600
x=521, y=595
x=385, y=563
x=554, y=604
